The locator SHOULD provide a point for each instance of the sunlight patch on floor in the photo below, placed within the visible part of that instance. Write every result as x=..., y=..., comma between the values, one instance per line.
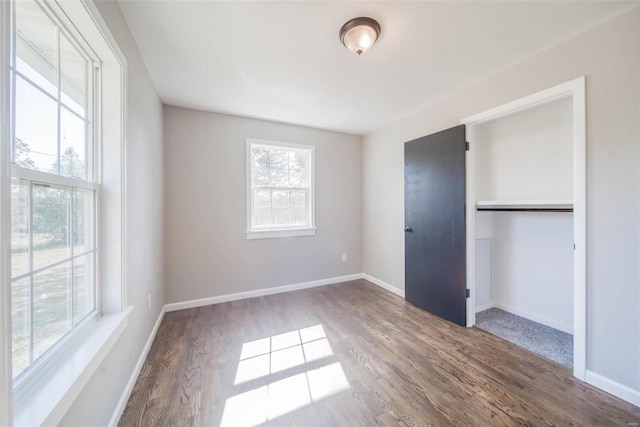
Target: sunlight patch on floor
x=281, y=352
x=266, y=356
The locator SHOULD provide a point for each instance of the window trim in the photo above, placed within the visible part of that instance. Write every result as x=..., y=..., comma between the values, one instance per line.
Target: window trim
x=6, y=375
x=277, y=232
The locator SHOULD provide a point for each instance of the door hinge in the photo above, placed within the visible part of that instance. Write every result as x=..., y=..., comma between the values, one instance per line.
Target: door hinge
x=466, y=145
x=468, y=293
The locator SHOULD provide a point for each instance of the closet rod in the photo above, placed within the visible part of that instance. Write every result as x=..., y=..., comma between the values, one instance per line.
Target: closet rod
x=526, y=209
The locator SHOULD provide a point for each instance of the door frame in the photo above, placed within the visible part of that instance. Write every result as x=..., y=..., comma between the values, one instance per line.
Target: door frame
x=576, y=90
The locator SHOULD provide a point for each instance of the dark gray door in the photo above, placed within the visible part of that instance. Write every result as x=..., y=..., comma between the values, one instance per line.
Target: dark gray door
x=435, y=227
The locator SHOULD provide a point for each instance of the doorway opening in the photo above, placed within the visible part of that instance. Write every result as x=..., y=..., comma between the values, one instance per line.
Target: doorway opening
x=526, y=232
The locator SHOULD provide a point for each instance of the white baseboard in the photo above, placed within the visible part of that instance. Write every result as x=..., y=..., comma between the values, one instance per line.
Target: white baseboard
x=556, y=325
x=485, y=306
x=122, y=403
x=619, y=390
x=383, y=285
x=259, y=293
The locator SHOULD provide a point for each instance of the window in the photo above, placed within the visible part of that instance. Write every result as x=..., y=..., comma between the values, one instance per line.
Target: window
x=280, y=193
x=66, y=288
x=54, y=190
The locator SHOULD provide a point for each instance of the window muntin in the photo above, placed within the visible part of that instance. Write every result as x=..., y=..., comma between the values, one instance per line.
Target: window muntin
x=281, y=187
x=53, y=190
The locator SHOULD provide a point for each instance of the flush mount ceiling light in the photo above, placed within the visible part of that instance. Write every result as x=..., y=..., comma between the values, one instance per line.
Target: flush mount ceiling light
x=359, y=34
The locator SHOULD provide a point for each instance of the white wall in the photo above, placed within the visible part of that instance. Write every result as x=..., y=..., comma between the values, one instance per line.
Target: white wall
x=484, y=256
x=527, y=155
x=207, y=252
x=533, y=266
x=484, y=274
x=609, y=56
x=144, y=241
x=524, y=264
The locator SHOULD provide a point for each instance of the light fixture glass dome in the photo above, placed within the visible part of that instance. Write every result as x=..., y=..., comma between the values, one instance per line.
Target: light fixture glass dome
x=360, y=34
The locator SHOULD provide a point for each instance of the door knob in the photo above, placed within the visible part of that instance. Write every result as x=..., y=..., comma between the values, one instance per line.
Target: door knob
x=408, y=229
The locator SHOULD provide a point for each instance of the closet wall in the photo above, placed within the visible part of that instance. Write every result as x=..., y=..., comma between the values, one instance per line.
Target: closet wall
x=524, y=260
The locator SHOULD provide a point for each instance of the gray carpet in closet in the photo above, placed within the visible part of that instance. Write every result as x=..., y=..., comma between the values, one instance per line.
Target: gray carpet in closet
x=544, y=340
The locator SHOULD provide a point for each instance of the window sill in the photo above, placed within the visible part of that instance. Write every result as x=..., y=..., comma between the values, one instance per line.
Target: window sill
x=272, y=234
x=46, y=402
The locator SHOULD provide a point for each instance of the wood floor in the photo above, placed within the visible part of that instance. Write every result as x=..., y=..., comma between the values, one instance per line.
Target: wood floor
x=351, y=354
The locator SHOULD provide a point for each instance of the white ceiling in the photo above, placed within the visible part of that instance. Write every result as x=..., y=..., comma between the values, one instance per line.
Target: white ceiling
x=283, y=61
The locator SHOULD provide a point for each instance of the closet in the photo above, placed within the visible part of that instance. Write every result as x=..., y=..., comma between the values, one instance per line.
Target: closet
x=524, y=168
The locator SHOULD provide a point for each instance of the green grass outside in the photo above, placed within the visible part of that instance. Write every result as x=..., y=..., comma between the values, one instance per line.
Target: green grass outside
x=51, y=299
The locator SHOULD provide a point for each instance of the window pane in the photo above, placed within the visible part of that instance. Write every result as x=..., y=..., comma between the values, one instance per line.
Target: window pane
x=262, y=216
x=36, y=115
x=20, y=325
x=73, y=67
x=279, y=178
x=298, y=216
x=38, y=79
x=279, y=159
x=281, y=198
x=72, y=145
x=298, y=178
x=260, y=177
x=83, y=221
x=51, y=206
x=37, y=45
x=51, y=304
x=281, y=216
x=19, y=226
x=83, y=279
x=260, y=158
x=298, y=198
x=299, y=160
x=262, y=198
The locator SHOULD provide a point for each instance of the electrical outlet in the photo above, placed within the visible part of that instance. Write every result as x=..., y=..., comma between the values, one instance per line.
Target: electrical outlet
x=344, y=257
x=149, y=302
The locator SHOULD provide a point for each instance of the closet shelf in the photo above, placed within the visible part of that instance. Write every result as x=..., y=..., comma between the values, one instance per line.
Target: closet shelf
x=562, y=205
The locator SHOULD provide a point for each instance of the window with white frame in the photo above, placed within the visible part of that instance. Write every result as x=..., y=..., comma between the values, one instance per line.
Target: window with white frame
x=54, y=185
x=280, y=189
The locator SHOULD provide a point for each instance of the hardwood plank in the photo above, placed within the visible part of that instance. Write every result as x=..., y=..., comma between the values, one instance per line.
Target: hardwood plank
x=369, y=358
